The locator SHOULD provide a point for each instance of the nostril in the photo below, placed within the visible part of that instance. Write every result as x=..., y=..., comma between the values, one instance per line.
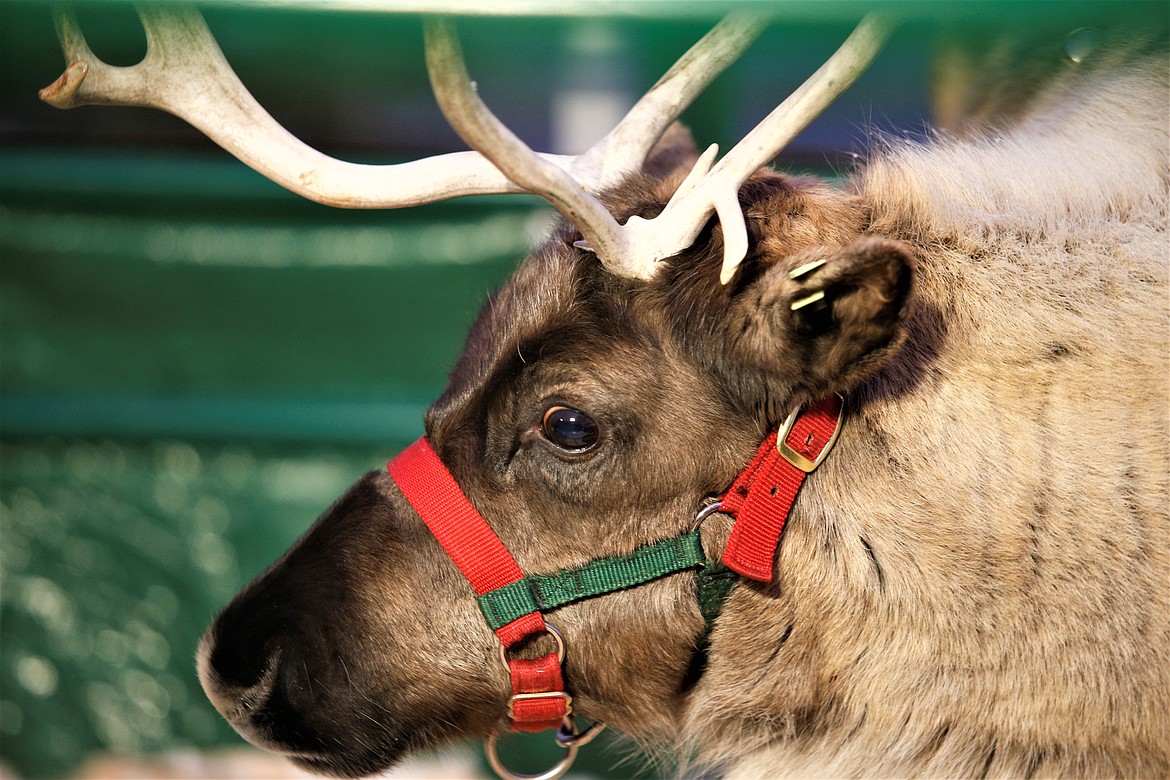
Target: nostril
x=237, y=688
x=270, y=700
x=241, y=642
x=258, y=694
x=243, y=663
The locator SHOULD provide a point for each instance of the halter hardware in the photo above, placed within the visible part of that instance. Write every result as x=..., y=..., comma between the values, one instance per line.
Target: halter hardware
x=799, y=459
x=515, y=697
x=548, y=629
x=568, y=725
x=762, y=496
x=566, y=738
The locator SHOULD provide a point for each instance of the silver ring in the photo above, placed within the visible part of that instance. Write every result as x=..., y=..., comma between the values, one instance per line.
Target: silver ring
x=568, y=725
x=706, y=512
x=548, y=627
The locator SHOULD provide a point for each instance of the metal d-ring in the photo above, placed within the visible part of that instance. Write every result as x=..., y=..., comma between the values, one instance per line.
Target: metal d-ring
x=706, y=512
x=568, y=726
x=550, y=629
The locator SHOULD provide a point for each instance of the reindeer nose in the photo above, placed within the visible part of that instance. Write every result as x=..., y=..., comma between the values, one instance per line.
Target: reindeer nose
x=239, y=651
x=238, y=690
x=280, y=661
x=238, y=664
x=253, y=669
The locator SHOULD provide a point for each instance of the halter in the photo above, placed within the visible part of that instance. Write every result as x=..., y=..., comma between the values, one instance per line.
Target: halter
x=512, y=603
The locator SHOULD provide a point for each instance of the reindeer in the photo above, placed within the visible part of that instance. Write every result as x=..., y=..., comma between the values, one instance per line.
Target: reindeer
x=947, y=555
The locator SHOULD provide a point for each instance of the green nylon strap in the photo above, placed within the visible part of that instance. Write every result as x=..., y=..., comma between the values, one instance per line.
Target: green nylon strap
x=714, y=585
x=604, y=575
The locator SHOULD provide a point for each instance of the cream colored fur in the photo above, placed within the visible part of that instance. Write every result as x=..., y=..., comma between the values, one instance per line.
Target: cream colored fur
x=1009, y=472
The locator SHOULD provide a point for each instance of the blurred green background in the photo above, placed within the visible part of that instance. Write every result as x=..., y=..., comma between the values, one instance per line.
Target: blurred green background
x=195, y=363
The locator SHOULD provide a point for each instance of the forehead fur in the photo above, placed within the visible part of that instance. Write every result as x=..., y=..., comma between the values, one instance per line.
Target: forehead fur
x=546, y=291
x=558, y=288
x=562, y=294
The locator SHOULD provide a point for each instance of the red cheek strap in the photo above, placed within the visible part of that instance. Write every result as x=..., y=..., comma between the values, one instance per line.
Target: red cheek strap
x=762, y=495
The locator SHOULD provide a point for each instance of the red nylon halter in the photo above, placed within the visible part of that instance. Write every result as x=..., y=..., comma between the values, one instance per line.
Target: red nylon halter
x=760, y=499
x=762, y=495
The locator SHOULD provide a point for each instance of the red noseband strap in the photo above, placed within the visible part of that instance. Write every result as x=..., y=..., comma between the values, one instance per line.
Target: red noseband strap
x=463, y=533
x=474, y=547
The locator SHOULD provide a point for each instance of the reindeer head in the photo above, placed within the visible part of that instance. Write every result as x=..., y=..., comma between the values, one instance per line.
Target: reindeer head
x=589, y=415
x=621, y=378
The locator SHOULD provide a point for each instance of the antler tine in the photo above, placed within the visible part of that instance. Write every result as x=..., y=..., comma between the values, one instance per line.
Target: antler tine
x=185, y=73
x=679, y=224
x=476, y=124
x=121, y=86
x=619, y=152
x=633, y=250
x=625, y=147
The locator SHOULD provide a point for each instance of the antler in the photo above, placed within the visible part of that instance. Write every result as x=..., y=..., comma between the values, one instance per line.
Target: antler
x=635, y=249
x=718, y=190
x=185, y=73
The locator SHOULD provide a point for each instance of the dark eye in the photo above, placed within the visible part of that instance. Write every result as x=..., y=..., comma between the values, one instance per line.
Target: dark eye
x=569, y=428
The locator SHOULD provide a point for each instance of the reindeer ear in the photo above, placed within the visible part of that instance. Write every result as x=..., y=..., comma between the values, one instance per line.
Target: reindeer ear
x=823, y=321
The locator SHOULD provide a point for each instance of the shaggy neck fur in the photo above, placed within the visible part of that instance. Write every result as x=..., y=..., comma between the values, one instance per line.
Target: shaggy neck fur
x=976, y=634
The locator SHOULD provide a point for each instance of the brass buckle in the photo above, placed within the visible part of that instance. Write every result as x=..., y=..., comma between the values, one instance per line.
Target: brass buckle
x=794, y=457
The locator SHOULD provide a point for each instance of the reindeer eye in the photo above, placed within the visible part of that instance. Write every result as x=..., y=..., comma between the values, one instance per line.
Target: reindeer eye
x=569, y=429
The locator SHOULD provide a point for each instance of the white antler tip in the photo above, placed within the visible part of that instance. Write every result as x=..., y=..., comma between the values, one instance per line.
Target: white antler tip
x=735, y=233
x=701, y=168
x=731, y=260
x=63, y=92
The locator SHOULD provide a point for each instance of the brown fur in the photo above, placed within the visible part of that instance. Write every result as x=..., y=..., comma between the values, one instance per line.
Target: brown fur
x=976, y=583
